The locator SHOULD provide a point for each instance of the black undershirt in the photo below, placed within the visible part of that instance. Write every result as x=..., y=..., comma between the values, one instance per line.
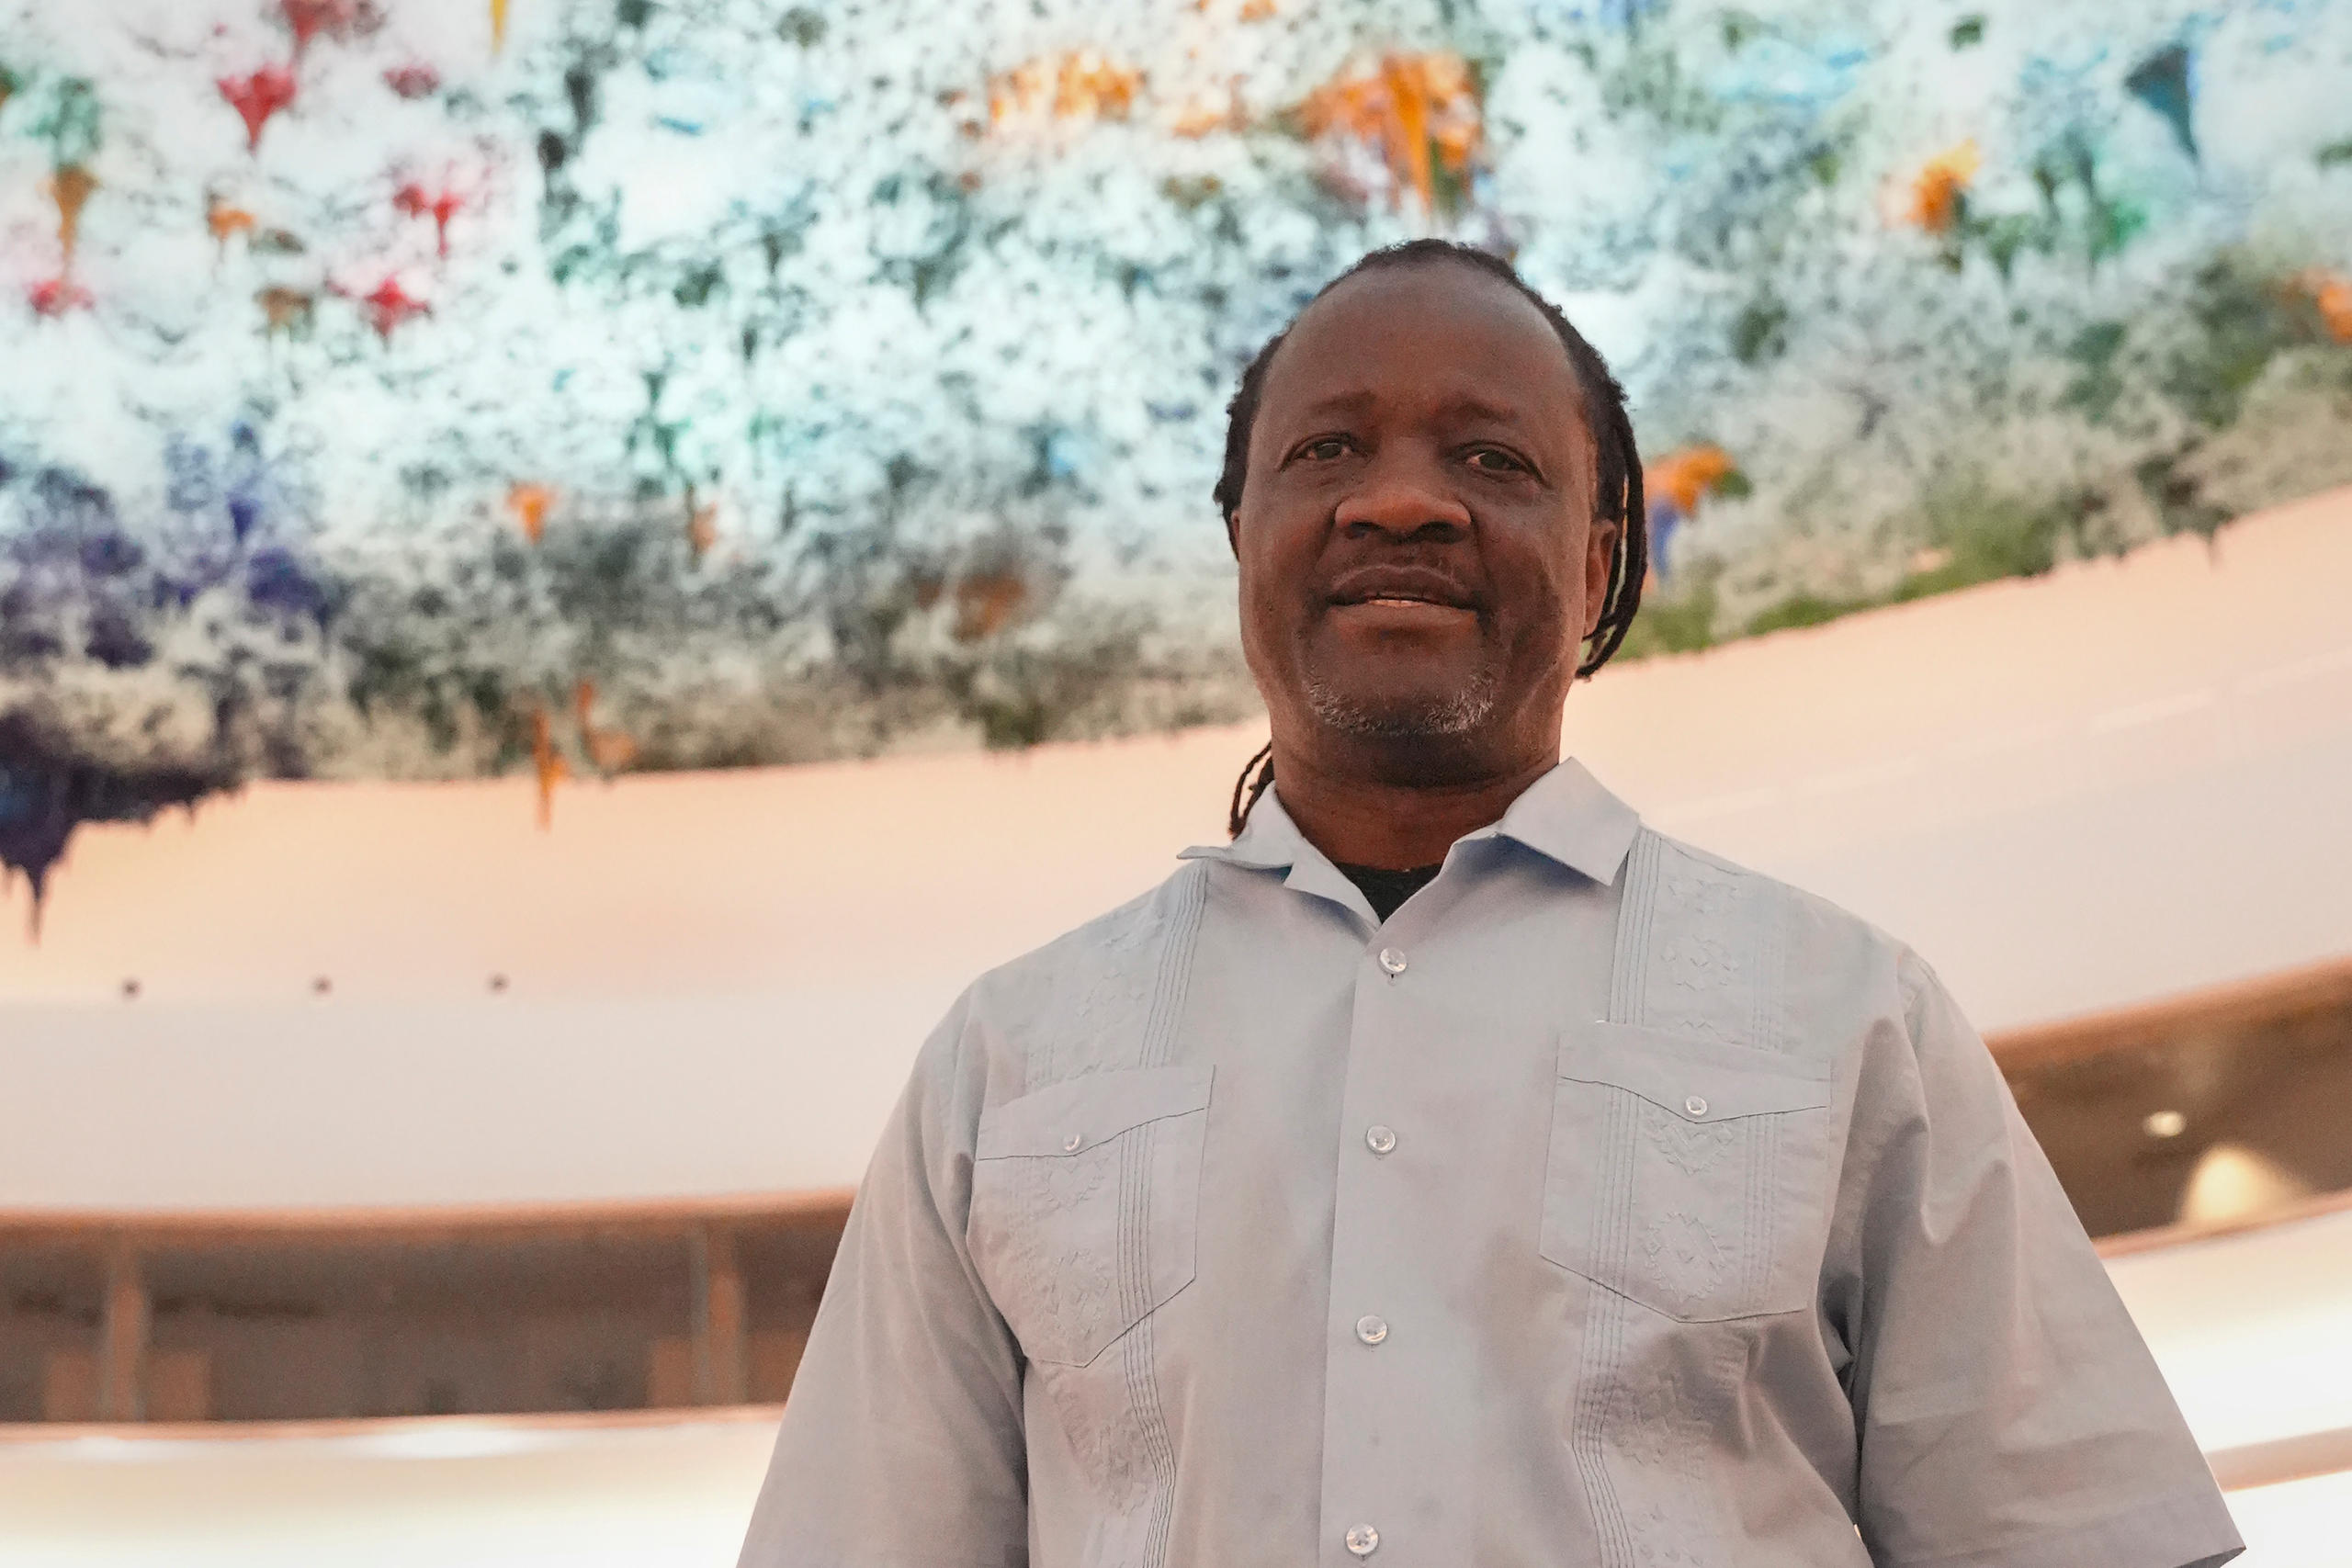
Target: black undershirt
x=1386, y=890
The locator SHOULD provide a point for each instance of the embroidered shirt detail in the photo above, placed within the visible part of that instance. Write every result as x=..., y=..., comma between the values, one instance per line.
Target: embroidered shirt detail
x=1691, y=1147
x=1684, y=1257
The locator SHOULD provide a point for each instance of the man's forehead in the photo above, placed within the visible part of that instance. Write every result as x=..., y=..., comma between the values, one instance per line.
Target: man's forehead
x=1470, y=344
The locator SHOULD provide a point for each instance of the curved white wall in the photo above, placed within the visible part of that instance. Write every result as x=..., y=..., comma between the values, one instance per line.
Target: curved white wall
x=2117, y=782
x=450, y=1492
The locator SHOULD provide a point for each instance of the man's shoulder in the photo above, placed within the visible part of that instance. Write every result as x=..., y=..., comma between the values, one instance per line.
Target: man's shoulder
x=1714, y=932
x=1117, y=938
x=1090, y=999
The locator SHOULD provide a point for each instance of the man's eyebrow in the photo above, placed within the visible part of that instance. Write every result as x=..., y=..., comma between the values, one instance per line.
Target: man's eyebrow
x=1467, y=406
x=1464, y=405
x=1339, y=403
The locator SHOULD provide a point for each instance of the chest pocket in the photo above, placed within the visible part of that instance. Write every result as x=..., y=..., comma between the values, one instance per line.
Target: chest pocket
x=1689, y=1176
x=1085, y=1200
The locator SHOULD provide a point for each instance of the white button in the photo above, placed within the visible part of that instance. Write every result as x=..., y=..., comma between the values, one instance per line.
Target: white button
x=1371, y=1330
x=1393, y=960
x=1074, y=1139
x=1696, y=1106
x=1380, y=1139
x=1363, y=1539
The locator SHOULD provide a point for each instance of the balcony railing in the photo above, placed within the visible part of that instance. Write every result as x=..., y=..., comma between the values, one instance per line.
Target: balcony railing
x=2167, y=1123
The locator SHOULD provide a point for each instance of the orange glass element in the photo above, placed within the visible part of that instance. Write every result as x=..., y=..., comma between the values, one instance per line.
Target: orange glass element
x=529, y=503
x=70, y=187
x=1420, y=111
x=1079, y=85
x=610, y=749
x=547, y=764
x=497, y=26
x=258, y=96
x=1686, y=477
x=702, y=524
x=1934, y=196
x=1219, y=108
x=225, y=221
x=2332, y=295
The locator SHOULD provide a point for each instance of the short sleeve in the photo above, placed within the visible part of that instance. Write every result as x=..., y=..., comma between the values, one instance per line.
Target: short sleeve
x=2006, y=1410
x=902, y=1444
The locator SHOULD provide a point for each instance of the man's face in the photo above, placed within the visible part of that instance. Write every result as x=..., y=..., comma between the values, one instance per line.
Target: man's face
x=1419, y=562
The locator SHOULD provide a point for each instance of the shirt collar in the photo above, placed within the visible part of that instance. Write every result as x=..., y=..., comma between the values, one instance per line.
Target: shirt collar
x=1565, y=815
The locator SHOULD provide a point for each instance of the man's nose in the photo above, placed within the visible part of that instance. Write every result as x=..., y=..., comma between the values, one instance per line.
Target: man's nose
x=1403, y=495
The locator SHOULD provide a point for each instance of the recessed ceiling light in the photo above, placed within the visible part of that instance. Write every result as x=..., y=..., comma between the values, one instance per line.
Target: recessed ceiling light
x=2164, y=1124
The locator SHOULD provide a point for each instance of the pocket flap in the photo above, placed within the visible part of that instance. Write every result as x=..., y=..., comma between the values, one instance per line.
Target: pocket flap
x=1070, y=1118
x=1699, y=1080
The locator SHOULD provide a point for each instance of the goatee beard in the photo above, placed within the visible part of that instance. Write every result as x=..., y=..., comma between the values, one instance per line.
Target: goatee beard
x=1456, y=713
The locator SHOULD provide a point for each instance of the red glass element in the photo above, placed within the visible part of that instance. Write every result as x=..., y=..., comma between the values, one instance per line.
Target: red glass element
x=338, y=18
x=415, y=201
x=413, y=81
x=389, y=305
x=258, y=96
x=55, y=296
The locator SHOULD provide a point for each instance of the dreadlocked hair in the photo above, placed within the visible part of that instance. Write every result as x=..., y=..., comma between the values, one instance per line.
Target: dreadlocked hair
x=1245, y=793
x=1617, y=480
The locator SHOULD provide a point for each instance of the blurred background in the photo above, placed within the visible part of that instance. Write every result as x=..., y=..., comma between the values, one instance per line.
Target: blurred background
x=571, y=569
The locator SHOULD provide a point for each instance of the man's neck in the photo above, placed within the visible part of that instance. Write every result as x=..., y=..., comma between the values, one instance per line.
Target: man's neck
x=1368, y=821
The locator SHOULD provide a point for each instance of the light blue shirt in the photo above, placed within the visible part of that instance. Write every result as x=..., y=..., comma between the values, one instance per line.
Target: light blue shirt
x=1608, y=1205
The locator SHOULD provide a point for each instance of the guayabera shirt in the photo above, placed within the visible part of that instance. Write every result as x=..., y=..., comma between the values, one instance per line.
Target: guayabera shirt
x=1609, y=1205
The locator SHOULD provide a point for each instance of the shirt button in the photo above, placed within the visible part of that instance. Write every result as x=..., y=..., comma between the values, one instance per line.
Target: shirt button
x=1363, y=1539
x=1393, y=960
x=1371, y=1330
x=1379, y=1139
x=1695, y=1106
x=1070, y=1143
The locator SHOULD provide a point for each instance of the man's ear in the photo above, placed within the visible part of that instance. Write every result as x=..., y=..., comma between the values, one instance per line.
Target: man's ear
x=1600, y=565
x=1233, y=534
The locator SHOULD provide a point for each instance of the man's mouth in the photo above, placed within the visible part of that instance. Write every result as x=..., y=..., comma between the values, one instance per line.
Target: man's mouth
x=1401, y=587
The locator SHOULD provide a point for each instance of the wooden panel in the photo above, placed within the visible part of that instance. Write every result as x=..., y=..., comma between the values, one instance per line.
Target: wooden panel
x=721, y=1358
x=2218, y=1009
x=69, y=1389
x=179, y=1385
x=122, y=1340
x=670, y=1372
x=776, y=1357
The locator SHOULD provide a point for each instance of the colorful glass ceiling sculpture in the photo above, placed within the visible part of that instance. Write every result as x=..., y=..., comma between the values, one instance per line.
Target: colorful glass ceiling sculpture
x=431, y=387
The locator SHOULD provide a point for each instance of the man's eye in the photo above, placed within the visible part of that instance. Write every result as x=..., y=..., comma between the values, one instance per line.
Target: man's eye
x=1324, y=449
x=1494, y=461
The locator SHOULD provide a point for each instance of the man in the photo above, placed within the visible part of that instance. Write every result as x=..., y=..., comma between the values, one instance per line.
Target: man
x=1451, y=1170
